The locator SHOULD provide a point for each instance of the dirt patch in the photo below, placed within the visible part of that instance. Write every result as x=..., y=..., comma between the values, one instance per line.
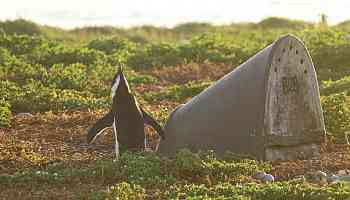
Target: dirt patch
x=181, y=74
x=53, y=137
x=334, y=157
x=44, y=138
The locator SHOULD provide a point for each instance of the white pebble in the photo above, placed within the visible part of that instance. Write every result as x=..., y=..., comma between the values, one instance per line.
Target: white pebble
x=333, y=178
x=23, y=115
x=260, y=175
x=321, y=174
x=268, y=178
x=342, y=172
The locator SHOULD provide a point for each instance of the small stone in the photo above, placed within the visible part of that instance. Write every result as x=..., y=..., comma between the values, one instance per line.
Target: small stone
x=300, y=178
x=76, y=156
x=264, y=177
x=268, y=178
x=320, y=177
x=260, y=175
x=333, y=178
x=345, y=178
x=342, y=172
x=24, y=115
x=321, y=174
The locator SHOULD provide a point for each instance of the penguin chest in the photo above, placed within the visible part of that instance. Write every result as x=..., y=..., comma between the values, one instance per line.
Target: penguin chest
x=130, y=127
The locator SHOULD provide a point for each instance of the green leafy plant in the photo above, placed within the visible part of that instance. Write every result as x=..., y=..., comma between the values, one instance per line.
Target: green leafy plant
x=125, y=191
x=278, y=191
x=178, y=92
x=338, y=86
x=336, y=114
x=5, y=113
x=148, y=170
x=112, y=45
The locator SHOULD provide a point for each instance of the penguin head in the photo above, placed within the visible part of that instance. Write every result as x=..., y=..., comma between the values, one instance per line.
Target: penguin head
x=120, y=86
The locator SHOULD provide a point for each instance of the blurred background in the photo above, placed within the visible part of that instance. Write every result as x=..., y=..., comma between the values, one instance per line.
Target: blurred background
x=168, y=13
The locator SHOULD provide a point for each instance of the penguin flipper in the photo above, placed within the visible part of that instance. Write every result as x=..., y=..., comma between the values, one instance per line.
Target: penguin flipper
x=103, y=123
x=152, y=122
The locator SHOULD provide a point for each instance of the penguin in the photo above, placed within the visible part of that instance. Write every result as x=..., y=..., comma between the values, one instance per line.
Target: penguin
x=126, y=117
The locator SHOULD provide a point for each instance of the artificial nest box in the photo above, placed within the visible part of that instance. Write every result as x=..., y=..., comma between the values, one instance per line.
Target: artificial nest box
x=268, y=107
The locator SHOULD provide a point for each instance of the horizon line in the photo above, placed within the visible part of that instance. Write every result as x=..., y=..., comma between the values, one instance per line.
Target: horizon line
x=131, y=26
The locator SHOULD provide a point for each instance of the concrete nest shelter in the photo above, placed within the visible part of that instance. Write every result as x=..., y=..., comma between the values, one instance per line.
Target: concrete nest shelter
x=268, y=107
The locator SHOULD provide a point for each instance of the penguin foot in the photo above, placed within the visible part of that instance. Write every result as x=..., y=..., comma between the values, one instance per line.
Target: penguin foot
x=116, y=158
x=148, y=149
x=157, y=145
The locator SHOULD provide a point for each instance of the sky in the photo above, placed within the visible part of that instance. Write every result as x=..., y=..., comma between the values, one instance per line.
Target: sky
x=126, y=13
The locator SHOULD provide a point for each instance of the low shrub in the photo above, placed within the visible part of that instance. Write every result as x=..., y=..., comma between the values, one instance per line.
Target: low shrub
x=111, y=45
x=178, y=93
x=126, y=191
x=330, y=87
x=146, y=169
x=336, y=113
x=5, y=113
x=276, y=191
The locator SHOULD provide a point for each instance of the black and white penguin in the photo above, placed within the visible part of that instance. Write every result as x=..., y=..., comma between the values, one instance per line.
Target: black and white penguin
x=126, y=117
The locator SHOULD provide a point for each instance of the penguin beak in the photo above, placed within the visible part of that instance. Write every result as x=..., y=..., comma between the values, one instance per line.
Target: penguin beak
x=124, y=82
